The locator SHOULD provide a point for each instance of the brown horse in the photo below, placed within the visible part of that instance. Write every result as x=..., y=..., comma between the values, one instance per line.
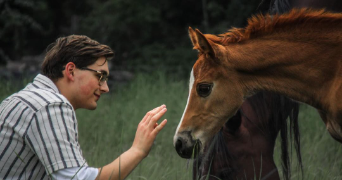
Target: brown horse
x=243, y=148
x=296, y=54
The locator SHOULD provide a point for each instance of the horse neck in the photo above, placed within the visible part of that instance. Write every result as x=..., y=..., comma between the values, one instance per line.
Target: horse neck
x=297, y=64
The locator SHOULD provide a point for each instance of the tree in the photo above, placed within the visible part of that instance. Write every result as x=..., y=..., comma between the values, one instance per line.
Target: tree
x=16, y=24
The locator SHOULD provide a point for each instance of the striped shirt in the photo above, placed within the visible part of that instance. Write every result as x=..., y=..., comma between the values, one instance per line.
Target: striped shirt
x=38, y=132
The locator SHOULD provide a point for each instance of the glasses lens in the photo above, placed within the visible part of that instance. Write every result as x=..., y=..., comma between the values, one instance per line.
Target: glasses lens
x=103, y=78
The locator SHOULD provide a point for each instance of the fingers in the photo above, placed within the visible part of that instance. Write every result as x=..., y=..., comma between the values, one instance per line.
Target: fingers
x=158, y=114
x=158, y=128
x=149, y=114
x=151, y=118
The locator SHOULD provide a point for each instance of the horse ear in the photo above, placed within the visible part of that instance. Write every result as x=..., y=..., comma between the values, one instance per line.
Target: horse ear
x=193, y=37
x=204, y=45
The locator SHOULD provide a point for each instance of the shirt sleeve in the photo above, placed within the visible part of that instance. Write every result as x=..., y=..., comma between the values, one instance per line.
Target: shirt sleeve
x=53, y=136
x=76, y=173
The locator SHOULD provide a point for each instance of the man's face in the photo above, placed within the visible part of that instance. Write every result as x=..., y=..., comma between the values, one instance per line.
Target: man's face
x=88, y=87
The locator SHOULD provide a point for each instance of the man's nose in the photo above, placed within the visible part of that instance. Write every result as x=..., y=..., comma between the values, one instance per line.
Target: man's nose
x=104, y=87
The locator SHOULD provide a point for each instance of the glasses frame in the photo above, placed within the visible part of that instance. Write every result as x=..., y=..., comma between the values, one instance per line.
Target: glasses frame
x=101, y=73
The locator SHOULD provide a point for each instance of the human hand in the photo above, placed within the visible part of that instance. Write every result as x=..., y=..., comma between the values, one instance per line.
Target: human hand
x=148, y=130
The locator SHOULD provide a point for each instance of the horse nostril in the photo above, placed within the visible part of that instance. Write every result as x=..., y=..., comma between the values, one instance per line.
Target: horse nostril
x=185, y=148
x=179, y=146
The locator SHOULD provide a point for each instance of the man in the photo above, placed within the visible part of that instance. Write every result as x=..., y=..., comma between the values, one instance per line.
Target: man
x=38, y=125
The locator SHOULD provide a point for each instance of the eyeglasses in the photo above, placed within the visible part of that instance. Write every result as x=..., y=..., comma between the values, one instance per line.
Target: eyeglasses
x=103, y=76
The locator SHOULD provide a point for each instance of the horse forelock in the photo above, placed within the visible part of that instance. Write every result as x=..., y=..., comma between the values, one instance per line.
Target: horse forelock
x=260, y=24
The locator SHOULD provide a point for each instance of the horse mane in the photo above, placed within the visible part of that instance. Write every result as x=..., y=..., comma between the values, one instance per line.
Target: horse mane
x=284, y=118
x=261, y=24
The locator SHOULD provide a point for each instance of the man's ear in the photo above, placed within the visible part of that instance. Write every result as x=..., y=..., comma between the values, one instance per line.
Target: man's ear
x=69, y=70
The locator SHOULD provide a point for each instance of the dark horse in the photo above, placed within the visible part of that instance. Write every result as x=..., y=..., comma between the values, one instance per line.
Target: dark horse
x=243, y=148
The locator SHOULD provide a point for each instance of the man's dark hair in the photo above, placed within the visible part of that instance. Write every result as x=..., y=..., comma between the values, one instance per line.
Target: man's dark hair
x=78, y=49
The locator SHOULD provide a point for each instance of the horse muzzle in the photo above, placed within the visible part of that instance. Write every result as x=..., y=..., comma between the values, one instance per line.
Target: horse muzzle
x=186, y=146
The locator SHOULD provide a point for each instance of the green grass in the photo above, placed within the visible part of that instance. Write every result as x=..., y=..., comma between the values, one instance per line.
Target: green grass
x=321, y=154
x=109, y=130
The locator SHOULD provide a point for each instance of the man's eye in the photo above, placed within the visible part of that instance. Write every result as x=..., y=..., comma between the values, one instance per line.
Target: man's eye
x=104, y=77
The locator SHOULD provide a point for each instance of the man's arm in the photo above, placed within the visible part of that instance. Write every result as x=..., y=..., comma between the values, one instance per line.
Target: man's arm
x=75, y=173
x=147, y=131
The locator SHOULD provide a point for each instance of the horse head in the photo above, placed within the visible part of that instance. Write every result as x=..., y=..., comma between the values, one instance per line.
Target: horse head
x=214, y=97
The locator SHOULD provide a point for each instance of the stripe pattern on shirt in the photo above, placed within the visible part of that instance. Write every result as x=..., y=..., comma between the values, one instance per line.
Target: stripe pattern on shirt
x=38, y=133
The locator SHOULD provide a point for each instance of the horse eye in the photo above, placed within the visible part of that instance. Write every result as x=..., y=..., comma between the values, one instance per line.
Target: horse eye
x=204, y=89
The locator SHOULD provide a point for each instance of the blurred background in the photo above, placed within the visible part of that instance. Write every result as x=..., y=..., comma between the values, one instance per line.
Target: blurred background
x=149, y=35
x=153, y=59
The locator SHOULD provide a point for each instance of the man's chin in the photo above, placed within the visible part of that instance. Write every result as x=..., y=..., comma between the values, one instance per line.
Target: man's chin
x=91, y=107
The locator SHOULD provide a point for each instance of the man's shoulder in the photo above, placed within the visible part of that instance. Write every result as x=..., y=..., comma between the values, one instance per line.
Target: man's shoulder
x=39, y=98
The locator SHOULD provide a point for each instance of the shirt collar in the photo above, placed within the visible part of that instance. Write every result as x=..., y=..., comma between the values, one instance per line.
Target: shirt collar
x=45, y=83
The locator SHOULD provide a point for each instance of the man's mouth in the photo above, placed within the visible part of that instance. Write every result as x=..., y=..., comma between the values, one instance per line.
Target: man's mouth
x=98, y=96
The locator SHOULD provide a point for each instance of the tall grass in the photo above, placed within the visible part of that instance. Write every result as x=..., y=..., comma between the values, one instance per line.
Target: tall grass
x=321, y=154
x=109, y=130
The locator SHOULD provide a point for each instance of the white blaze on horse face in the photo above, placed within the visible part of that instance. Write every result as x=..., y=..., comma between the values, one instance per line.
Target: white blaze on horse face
x=191, y=83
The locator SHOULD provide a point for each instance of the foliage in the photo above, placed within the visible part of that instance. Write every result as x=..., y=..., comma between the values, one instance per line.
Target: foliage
x=146, y=35
x=16, y=24
x=153, y=35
